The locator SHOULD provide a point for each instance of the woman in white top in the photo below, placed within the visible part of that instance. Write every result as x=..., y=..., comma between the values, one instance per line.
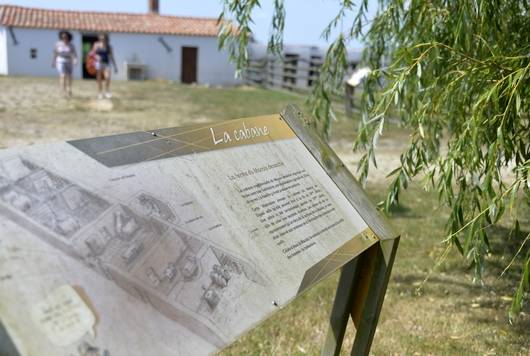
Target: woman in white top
x=64, y=59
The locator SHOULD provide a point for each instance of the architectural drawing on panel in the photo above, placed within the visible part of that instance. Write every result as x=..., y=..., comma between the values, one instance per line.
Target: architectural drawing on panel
x=138, y=246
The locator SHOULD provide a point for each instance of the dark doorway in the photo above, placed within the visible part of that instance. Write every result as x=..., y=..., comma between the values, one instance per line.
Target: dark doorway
x=188, y=73
x=88, y=41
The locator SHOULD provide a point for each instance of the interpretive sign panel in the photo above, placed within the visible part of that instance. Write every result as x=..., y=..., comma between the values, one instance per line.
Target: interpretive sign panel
x=167, y=242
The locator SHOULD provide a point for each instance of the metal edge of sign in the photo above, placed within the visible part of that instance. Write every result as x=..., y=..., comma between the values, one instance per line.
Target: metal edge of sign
x=7, y=345
x=142, y=146
x=338, y=258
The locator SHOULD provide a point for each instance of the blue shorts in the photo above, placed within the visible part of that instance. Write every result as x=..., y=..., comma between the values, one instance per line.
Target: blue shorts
x=64, y=68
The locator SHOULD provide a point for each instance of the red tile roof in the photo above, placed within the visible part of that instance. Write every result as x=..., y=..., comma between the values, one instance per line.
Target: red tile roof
x=18, y=16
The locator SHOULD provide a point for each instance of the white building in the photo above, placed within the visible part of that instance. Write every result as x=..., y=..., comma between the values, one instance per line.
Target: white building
x=147, y=45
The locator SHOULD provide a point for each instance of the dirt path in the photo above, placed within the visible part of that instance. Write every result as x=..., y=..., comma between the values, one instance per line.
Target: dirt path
x=32, y=111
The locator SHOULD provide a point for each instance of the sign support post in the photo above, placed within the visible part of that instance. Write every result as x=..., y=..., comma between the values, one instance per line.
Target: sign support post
x=363, y=281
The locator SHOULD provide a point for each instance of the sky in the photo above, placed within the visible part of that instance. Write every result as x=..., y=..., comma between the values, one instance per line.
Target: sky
x=304, y=22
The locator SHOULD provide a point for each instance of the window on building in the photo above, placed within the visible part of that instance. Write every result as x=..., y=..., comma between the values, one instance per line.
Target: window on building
x=33, y=53
x=314, y=69
x=290, y=64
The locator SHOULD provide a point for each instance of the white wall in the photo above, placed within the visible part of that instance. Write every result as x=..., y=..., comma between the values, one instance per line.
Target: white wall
x=3, y=51
x=18, y=55
x=213, y=66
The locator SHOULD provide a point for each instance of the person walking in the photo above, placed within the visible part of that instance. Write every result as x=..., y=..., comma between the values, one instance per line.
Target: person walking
x=64, y=59
x=104, y=56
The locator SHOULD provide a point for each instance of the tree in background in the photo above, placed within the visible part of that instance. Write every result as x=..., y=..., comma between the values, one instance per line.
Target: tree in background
x=456, y=74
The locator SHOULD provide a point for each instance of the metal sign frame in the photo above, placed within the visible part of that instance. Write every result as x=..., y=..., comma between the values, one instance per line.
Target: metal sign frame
x=363, y=281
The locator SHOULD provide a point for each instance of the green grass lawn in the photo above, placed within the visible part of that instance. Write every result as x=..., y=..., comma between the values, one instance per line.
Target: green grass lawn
x=449, y=315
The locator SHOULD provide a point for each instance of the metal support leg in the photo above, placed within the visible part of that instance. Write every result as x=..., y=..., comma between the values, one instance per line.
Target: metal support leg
x=366, y=317
x=360, y=293
x=342, y=307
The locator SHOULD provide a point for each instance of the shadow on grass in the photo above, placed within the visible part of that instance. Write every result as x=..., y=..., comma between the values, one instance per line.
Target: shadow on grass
x=402, y=210
x=415, y=280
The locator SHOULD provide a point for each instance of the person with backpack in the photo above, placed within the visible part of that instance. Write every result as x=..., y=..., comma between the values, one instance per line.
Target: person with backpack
x=102, y=52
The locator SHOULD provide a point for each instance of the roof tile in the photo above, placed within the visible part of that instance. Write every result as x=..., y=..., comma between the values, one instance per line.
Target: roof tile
x=18, y=16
